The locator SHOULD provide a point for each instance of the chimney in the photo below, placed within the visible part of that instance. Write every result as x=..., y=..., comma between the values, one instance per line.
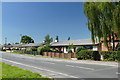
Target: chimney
x=56, y=41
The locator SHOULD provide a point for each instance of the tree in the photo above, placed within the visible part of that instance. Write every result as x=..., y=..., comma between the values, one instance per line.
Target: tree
x=71, y=46
x=9, y=44
x=68, y=38
x=51, y=39
x=16, y=43
x=47, y=40
x=57, y=39
x=118, y=47
x=26, y=39
x=103, y=21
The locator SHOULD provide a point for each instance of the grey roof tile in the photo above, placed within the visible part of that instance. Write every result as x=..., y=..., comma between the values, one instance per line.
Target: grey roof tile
x=74, y=42
x=33, y=44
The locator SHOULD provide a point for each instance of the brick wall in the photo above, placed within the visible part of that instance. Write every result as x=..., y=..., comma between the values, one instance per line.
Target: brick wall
x=59, y=55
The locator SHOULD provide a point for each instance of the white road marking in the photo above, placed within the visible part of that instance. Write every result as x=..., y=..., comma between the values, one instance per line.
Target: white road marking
x=117, y=73
x=70, y=65
x=49, y=62
x=39, y=68
x=104, y=69
x=85, y=68
x=80, y=67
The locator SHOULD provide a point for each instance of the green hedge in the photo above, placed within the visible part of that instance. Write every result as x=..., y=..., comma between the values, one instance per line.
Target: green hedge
x=111, y=55
x=88, y=55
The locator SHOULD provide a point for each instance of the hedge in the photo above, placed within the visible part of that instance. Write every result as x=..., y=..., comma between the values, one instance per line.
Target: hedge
x=111, y=55
x=88, y=55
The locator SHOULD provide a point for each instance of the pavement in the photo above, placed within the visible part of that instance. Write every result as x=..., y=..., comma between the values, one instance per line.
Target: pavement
x=63, y=68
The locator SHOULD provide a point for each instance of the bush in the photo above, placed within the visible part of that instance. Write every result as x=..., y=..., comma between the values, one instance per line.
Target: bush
x=111, y=55
x=15, y=49
x=70, y=51
x=42, y=49
x=79, y=49
x=34, y=49
x=118, y=47
x=28, y=50
x=88, y=55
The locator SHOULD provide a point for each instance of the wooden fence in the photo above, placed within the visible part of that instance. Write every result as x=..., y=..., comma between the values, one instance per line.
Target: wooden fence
x=59, y=55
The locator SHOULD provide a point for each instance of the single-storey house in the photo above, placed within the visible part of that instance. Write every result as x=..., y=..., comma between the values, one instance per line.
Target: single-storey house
x=63, y=45
x=30, y=45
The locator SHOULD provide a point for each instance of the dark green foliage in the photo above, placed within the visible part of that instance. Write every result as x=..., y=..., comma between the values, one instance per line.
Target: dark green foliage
x=111, y=55
x=47, y=40
x=43, y=49
x=9, y=44
x=51, y=39
x=56, y=51
x=70, y=46
x=88, y=55
x=103, y=21
x=79, y=49
x=34, y=49
x=118, y=47
x=68, y=38
x=16, y=43
x=70, y=51
x=26, y=39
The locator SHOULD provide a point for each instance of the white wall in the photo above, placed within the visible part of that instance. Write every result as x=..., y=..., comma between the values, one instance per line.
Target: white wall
x=65, y=50
x=95, y=48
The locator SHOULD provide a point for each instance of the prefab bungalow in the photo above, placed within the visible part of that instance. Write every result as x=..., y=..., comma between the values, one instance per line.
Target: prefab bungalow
x=30, y=45
x=63, y=45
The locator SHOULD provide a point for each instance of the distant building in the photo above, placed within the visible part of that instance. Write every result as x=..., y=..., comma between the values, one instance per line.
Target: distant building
x=63, y=45
x=30, y=45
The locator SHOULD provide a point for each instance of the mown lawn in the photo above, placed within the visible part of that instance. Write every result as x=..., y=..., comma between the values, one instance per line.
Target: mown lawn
x=13, y=72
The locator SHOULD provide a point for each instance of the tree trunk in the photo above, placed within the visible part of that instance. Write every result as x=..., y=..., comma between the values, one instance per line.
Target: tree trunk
x=113, y=41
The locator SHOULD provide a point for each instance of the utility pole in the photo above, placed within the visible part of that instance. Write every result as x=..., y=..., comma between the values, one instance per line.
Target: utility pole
x=20, y=37
x=5, y=40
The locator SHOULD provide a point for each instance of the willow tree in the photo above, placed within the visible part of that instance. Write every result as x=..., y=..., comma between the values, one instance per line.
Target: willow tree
x=103, y=21
x=116, y=19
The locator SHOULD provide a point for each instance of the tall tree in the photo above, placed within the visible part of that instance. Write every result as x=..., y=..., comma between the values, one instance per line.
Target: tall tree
x=101, y=21
x=51, y=39
x=26, y=39
x=47, y=40
x=68, y=38
x=9, y=44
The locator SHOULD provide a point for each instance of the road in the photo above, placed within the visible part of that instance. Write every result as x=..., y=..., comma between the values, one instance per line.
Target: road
x=59, y=69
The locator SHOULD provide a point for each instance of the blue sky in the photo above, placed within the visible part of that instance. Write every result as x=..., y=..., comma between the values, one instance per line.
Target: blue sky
x=41, y=18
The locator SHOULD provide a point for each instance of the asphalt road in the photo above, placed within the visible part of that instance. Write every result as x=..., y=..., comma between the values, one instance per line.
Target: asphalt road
x=59, y=69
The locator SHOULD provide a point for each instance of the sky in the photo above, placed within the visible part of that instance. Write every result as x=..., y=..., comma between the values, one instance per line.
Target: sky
x=37, y=19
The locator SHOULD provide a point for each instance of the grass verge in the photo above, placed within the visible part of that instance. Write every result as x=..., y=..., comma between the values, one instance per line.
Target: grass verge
x=13, y=72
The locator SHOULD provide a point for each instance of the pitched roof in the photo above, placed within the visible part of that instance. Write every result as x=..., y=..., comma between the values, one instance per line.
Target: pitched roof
x=32, y=44
x=74, y=42
x=17, y=45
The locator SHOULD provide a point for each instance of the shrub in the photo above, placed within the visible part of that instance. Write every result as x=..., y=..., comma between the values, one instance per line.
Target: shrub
x=70, y=51
x=56, y=51
x=28, y=50
x=79, y=49
x=15, y=49
x=111, y=55
x=118, y=47
x=87, y=54
x=43, y=49
x=34, y=49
